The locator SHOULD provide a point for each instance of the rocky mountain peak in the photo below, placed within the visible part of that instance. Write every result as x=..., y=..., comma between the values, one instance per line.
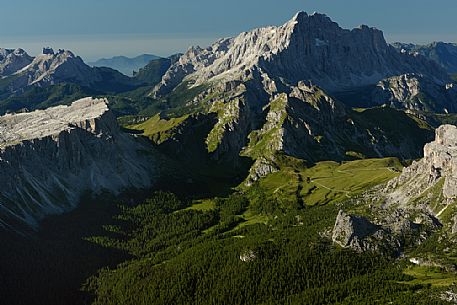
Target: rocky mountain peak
x=53, y=67
x=307, y=47
x=417, y=92
x=443, y=53
x=12, y=60
x=48, y=51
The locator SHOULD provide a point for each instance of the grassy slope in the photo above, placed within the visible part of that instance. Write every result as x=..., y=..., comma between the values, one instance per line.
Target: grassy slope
x=433, y=276
x=158, y=129
x=391, y=121
x=177, y=102
x=328, y=181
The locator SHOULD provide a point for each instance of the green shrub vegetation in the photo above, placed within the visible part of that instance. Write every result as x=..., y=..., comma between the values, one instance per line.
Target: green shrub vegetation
x=157, y=128
x=176, y=260
x=250, y=247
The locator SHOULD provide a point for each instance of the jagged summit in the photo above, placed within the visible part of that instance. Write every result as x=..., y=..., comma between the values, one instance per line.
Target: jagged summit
x=20, y=71
x=307, y=47
x=63, y=65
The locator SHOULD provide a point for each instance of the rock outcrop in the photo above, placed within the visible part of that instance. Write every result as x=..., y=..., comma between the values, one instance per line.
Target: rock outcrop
x=434, y=176
x=49, y=158
x=389, y=232
x=354, y=232
x=410, y=207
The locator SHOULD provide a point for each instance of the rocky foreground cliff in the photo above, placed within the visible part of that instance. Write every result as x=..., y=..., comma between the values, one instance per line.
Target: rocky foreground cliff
x=409, y=208
x=49, y=158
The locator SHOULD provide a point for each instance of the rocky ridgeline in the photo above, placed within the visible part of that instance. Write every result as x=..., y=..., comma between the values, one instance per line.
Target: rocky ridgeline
x=51, y=68
x=19, y=71
x=309, y=124
x=49, y=158
x=308, y=47
x=269, y=89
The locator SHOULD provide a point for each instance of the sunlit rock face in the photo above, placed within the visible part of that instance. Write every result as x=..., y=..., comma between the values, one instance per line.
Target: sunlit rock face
x=439, y=163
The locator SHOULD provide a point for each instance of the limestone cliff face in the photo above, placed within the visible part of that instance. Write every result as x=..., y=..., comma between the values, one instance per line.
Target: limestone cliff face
x=49, y=158
x=308, y=47
x=438, y=169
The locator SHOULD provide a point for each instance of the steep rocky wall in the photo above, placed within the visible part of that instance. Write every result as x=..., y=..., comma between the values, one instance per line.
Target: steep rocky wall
x=307, y=47
x=439, y=163
x=49, y=158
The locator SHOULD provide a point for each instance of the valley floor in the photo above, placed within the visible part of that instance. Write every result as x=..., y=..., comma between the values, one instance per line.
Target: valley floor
x=252, y=247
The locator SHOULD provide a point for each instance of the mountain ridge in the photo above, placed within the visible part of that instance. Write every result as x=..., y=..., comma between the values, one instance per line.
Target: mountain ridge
x=443, y=53
x=319, y=42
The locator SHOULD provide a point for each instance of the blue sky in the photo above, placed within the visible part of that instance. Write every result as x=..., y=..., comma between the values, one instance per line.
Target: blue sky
x=103, y=28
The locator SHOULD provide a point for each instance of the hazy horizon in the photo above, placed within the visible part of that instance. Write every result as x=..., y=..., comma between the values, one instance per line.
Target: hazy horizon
x=111, y=28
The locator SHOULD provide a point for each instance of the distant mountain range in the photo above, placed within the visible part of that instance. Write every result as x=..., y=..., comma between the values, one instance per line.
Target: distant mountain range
x=13, y=60
x=125, y=64
x=53, y=78
x=445, y=54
